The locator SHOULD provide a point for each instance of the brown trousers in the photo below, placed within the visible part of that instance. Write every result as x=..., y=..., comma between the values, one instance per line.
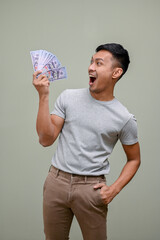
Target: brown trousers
x=66, y=195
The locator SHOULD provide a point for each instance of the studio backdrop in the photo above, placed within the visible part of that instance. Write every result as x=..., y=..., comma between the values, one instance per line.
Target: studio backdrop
x=72, y=30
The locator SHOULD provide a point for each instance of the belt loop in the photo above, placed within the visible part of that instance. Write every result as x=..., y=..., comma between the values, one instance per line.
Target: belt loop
x=57, y=173
x=49, y=168
x=85, y=179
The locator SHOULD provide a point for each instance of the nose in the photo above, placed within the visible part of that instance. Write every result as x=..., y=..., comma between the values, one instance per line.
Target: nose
x=91, y=67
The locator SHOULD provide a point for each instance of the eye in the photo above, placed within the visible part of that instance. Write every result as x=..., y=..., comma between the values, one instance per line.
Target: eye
x=91, y=61
x=99, y=63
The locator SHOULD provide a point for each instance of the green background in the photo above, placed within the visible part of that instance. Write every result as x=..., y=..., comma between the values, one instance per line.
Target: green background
x=72, y=30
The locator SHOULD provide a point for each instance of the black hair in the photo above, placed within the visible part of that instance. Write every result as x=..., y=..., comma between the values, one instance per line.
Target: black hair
x=118, y=52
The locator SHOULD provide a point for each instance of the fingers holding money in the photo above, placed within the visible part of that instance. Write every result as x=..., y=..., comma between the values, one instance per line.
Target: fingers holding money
x=35, y=76
x=41, y=82
x=40, y=79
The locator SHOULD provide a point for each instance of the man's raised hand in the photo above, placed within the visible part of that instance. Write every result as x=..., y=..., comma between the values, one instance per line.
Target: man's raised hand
x=41, y=83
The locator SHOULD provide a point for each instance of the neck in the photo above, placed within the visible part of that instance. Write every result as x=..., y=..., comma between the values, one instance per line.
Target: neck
x=102, y=96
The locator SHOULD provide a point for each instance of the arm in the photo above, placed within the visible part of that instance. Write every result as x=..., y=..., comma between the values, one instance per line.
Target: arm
x=48, y=126
x=127, y=173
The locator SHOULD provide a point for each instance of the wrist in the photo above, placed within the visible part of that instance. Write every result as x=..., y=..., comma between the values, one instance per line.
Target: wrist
x=43, y=97
x=116, y=188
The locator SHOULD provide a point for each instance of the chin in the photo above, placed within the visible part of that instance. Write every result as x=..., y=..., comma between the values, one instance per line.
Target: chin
x=93, y=90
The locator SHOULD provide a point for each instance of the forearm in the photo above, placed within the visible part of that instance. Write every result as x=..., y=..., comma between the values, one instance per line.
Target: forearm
x=126, y=175
x=44, y=126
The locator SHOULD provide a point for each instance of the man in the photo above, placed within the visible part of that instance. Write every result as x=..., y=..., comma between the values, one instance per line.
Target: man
x=88, y=122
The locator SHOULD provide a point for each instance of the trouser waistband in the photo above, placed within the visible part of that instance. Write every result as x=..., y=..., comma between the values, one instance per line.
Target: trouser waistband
x=70, y=176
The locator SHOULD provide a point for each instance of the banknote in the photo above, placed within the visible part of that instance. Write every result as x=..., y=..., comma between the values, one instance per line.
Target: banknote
x=55, y=74
x=49, y=64
x=34, y=57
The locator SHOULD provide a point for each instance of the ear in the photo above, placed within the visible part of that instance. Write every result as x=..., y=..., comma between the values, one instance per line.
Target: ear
x=117, y=73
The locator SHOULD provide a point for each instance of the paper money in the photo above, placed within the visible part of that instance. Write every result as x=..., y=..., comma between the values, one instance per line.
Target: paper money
x=35, y=57
x=55, y=74
x=49, y=64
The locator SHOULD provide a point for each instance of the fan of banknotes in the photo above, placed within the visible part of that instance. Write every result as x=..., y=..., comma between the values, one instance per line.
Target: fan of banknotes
x=49, y=64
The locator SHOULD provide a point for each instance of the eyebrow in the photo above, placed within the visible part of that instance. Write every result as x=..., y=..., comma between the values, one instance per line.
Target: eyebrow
x=98, y=59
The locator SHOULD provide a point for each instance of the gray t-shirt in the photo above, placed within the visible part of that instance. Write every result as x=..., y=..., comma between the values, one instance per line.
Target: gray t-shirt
x=90, y=132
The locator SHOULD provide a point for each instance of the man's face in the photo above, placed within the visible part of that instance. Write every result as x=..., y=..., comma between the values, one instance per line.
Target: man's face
x=100, y=71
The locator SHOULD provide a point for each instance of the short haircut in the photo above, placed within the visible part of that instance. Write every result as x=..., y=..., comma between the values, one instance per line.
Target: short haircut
x=118, y=52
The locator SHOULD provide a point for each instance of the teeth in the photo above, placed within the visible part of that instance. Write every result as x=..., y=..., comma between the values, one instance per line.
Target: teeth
x=93, y=78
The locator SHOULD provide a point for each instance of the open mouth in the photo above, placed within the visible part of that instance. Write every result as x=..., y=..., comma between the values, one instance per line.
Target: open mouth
x=92, y=79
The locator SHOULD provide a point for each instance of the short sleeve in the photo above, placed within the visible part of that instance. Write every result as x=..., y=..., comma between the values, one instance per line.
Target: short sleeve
x=59, y=107
x=129, y=134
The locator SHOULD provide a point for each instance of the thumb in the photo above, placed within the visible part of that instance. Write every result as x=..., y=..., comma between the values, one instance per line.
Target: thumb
x=99, y=185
